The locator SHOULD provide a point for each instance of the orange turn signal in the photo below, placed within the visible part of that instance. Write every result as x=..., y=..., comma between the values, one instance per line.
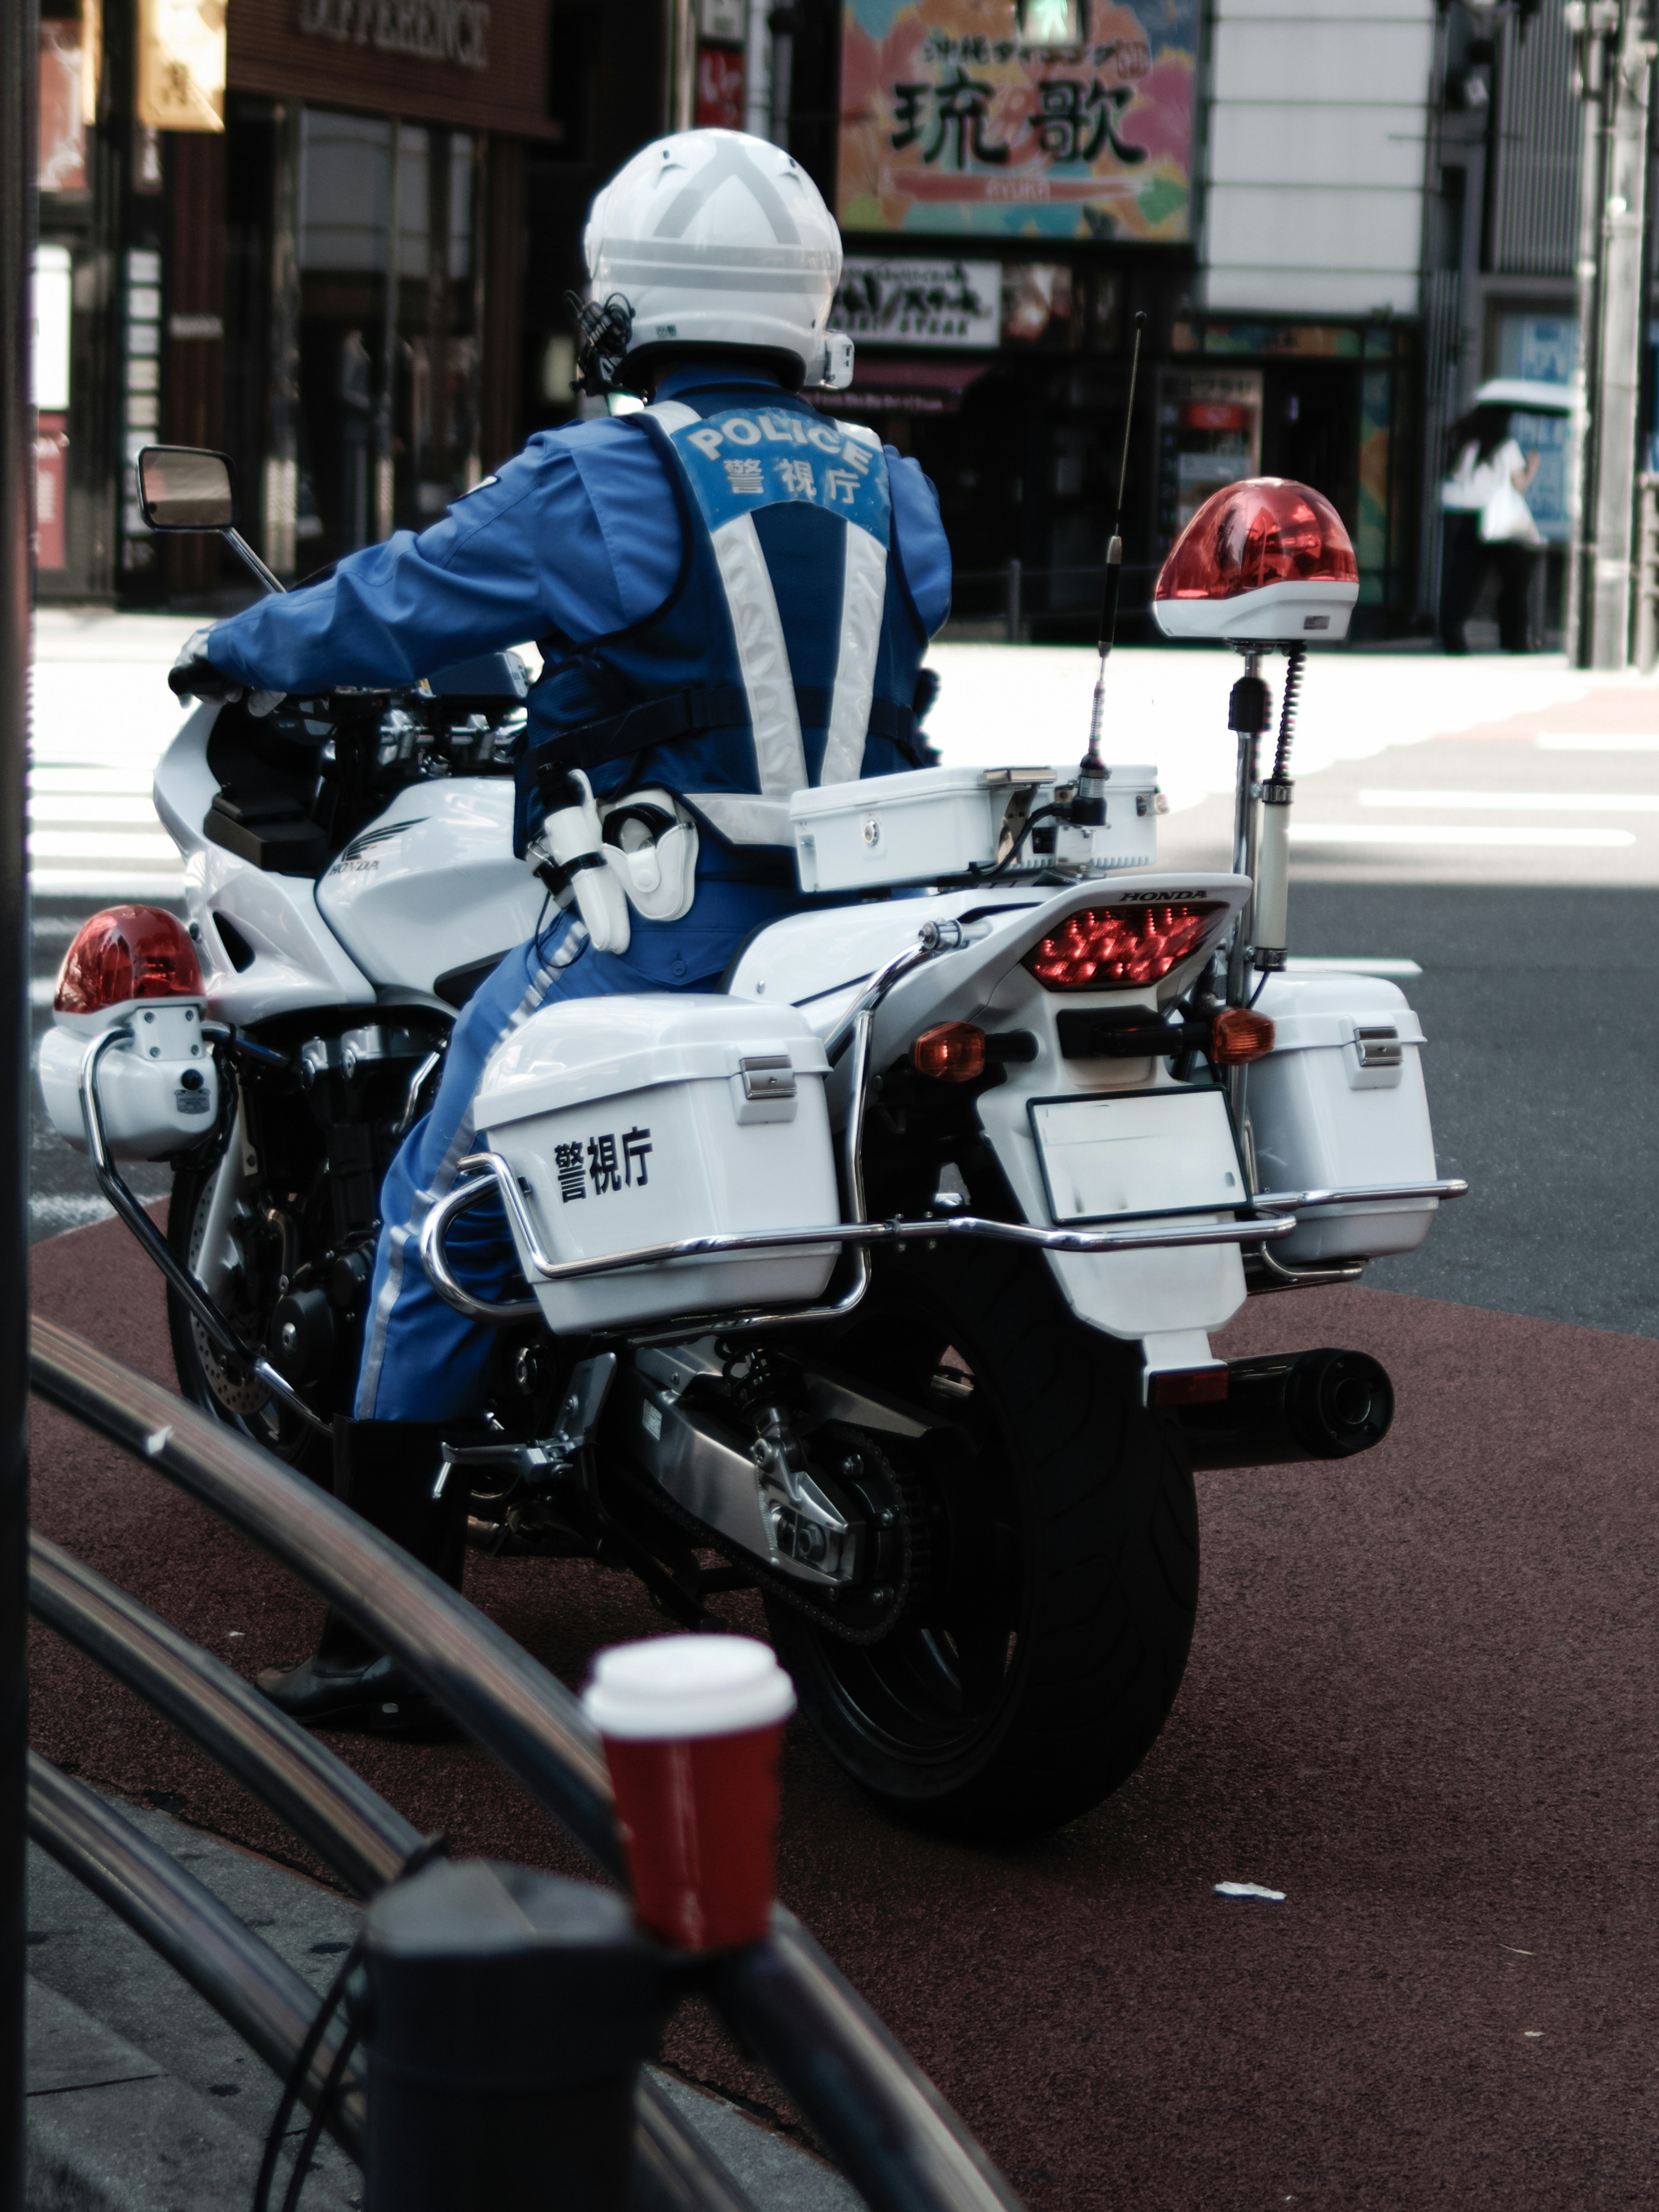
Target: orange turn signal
x=952, y=1052
x=1238, y=1035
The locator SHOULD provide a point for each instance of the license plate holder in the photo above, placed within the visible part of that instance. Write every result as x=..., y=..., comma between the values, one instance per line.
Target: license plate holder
x=1132, y=1155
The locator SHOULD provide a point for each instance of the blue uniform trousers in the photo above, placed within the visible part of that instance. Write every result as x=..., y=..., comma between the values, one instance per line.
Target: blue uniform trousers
x=422, y=1360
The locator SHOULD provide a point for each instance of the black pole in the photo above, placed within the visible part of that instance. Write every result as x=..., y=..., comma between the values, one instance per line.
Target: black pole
x=19, y=73
x=506, y=2013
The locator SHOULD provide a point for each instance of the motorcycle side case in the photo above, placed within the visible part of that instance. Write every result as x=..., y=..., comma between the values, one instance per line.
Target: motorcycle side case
x=645, y=1120
x=1341, y=1100
x=148, y=1110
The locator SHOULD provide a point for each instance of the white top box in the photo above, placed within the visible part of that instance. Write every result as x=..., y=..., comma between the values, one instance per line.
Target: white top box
x=929, y=824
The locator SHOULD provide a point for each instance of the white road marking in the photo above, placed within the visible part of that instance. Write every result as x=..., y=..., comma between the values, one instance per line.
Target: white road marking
x=131, y=782
x=1302, y=963
x=1593, y=741
x=102, y=845
x=109, y=883
x=67, y=1212
x=1447, y=833
x=50, y=806
x=1530, y=802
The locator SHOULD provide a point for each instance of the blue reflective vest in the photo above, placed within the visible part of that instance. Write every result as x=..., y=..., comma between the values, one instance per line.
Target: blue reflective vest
x=813, y=570
x=619, y=544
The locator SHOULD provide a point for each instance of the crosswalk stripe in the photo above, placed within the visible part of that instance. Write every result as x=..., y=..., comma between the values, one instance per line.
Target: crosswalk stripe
x=50, y=806
x=108, y=781
x=101, y=845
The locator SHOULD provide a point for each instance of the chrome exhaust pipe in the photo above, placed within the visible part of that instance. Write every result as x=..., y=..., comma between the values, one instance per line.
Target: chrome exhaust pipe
x=1291, y=1405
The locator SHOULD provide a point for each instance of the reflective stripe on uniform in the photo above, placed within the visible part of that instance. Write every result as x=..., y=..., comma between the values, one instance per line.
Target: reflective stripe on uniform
x=763, y=657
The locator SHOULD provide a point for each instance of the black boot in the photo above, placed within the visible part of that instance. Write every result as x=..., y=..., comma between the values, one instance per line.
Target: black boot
x=385, y=1471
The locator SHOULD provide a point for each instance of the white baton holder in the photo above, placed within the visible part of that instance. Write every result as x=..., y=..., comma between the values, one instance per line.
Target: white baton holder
x=651, y=847
x=574, y=838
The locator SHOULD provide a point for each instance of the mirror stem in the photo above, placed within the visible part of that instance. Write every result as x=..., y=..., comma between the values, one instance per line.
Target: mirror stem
x=240, y=546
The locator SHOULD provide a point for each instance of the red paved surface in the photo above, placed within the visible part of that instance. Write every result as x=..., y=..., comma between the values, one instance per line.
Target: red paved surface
x=1420, y=1702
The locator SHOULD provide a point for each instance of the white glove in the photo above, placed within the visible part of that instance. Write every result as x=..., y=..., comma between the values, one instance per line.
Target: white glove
x=572, y=840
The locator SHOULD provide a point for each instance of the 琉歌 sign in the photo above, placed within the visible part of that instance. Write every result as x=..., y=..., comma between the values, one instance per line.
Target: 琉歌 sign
x=1019, y=118
x=919, y=303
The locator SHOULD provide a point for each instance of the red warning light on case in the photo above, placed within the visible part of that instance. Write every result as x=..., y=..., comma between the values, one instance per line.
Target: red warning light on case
x=1264, y=559
x=128, y=953
x=1121, y=948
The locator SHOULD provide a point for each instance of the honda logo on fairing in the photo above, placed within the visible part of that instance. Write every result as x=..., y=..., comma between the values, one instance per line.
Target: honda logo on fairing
x=357, y=860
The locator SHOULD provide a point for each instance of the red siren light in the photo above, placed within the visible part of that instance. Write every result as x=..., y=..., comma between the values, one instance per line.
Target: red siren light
x=1263, y=559
x=125, y=953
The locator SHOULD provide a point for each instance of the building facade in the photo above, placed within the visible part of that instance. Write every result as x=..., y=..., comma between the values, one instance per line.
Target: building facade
x=1335, y=218
x=326, y=281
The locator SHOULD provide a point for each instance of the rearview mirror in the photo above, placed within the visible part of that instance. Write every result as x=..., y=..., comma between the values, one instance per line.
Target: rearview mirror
x=185, y=488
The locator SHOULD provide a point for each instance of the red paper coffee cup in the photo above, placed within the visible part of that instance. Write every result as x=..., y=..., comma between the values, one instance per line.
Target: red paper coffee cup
x=692, y=1726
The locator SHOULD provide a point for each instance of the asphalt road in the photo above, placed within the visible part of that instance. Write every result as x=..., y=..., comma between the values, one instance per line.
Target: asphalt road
x=1419, y=1705
x=1540, y=1065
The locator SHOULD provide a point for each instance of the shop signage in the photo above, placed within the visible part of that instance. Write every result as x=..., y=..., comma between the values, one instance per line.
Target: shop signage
x=1061, y=119
x=452, y=31
x=181, y=64
x=919, y=303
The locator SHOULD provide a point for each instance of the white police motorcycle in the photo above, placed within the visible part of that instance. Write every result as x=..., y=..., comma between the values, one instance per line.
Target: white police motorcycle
x=880, y=1284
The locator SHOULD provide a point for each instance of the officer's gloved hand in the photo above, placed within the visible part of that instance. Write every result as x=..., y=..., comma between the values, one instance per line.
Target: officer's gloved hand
x=193, y=676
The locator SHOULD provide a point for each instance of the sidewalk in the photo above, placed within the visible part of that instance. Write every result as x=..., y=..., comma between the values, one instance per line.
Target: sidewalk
x=141, y=2099
x=101, y=697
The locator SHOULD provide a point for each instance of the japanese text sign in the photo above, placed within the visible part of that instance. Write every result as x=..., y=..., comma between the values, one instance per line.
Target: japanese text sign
x=741, y=459
x=1019, y=118
x=919, y=303
x=181, y=64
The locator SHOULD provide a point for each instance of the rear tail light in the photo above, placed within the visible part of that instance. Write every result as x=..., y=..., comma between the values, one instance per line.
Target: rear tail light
x=952, y=1052
x=125, y=953
x=1121, y=948
x=1194, y=1386
x=1238, y=1035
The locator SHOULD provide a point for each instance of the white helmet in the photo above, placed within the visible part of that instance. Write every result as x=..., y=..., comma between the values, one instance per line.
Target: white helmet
x=714, y=239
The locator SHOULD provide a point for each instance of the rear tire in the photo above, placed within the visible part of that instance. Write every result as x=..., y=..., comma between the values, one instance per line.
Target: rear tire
x=1037, y=1674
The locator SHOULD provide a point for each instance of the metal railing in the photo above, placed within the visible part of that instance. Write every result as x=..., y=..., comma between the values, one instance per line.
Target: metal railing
x=896, y=2138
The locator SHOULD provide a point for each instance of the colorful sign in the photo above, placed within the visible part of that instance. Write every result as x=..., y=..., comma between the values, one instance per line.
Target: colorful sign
x=720, y=97
x=181, y=64
x=51, y=490
x=918, y=303
x=1019, y=118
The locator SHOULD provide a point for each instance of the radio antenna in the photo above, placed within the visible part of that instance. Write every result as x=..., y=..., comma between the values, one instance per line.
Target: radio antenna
x=1089, y=808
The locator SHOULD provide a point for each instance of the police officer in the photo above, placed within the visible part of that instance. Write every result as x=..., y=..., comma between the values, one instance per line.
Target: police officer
x=732, y=594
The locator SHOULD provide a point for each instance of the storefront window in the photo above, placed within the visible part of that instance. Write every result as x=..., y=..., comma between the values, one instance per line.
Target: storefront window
x=388, y=341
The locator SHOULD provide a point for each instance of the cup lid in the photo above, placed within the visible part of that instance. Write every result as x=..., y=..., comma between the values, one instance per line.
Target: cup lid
x=676, y=1686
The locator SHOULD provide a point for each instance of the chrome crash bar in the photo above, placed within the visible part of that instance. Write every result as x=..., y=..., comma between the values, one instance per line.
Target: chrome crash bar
x=484, y=1172
x=179, y=1277
x=1370, y=1193
x=487, y=1171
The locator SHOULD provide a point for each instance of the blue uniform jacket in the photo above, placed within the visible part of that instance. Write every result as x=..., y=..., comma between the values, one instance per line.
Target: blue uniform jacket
x=580, y=543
